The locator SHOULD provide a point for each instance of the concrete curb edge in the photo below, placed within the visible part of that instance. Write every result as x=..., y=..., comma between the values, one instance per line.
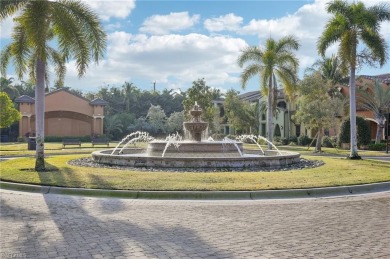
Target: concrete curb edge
x=204, y=195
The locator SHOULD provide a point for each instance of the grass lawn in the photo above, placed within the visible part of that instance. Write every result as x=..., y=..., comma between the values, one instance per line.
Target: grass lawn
x=18, y=149
x=335, y=172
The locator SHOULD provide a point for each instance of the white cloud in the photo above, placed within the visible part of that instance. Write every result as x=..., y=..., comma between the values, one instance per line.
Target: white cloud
x=6, y=28
x=115, y=8
x=173, y=22
x=228, y=22
x=175, y=60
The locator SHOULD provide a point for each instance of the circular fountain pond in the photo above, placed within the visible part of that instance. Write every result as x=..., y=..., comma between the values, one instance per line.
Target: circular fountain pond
x=195, y=152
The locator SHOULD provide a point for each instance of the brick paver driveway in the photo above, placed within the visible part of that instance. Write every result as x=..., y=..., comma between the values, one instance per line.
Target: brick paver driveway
x=55, y=226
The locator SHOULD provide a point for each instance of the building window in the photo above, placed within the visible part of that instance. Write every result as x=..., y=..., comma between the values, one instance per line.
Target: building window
x=326, y=132
x=297, y=130
x=282, y=105
x=263, y=131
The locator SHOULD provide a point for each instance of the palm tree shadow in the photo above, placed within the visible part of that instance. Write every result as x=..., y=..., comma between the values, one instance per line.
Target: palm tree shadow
x=113, y=234
x=90, y=227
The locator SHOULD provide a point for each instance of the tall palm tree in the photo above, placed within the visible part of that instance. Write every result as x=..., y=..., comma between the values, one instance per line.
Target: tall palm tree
x=351, y=24
x=128, y=92
x=376, y=100
x=274, y=62
x=71, y=24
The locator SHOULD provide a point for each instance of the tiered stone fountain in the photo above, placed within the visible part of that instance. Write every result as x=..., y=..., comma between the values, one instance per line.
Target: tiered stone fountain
x=196, y=152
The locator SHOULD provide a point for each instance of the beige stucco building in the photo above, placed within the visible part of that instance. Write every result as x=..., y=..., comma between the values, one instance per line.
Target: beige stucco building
x=282, y=122
x=66, y=114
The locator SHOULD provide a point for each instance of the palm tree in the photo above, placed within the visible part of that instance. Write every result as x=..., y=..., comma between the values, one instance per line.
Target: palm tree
x=7, y=87
x=276, y=61
x=128, y=92
x=113, y=124
x=78, y=34
x=331, y=69
x=351, y=24
x=376, y=101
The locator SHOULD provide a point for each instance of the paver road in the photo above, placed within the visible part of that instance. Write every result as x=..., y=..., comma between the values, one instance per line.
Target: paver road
x=55, y=226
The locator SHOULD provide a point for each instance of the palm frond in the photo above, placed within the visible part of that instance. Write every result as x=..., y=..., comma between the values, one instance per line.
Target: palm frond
x=249, y=72
x=4, y=59
x=334, y=30
x=10, y=7
x=250, y=54
x=59, y=64
x=71, y=15
x=376, y=44
x=20, y=50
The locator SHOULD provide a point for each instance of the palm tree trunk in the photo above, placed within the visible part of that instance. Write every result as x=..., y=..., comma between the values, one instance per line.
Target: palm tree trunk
x=352, y=112
x=269, y=113
x=40, y=115
x=379, y=133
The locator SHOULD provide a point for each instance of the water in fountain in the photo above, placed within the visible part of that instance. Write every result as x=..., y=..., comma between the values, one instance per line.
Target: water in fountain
x=255, y=139
x=133, y=138
x=252, y=138
x=269, y=142
x=172, y=140
x=227, y=140
x=195, y=152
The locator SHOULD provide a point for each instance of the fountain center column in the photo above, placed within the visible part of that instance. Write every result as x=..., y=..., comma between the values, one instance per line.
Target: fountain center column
x=196, y=126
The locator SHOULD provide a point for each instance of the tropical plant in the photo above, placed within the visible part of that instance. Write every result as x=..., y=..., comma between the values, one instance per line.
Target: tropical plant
x=331, y=69
x=8, y=113
x=203, y=94
x=129, y=94
x=376, y=100
x=351, y=24
x=157, y=118
x=6, y=85
x=73, y=27
x=174, y=122
x=275, y=61
x=317, y=109
x=112, y=125
x=240, y=114
x=363, y=131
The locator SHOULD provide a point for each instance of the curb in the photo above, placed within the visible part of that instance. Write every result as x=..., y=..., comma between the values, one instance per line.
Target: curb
x=204, y=195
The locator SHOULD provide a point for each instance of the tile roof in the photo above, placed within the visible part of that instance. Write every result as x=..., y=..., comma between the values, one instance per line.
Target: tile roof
x=25, y=99
x=98, y=101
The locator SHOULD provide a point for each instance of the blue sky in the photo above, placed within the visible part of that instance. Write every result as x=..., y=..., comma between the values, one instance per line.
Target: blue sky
x=177, y=42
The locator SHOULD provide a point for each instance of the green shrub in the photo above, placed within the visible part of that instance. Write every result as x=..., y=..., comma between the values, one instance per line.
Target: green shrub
x=335, y=140
x=231, y=136
x=284, y=141
x=277, y=140
x=262, y=142
x=377, y=147
x=21, y=139
x=218, y=136
x=363, y=131
x=293, y=139
x=60, y=138
x=328, y=142
x=304, y=140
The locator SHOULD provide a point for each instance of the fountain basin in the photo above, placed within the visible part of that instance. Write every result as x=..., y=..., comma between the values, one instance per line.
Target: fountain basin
x=156, y=147
x=199, y=160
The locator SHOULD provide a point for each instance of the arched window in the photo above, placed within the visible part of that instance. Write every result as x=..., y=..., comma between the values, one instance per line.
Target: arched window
x=282, y=104
x=277, y=131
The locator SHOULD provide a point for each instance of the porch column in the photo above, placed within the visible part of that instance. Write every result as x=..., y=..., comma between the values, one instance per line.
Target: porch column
x=97, y=125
